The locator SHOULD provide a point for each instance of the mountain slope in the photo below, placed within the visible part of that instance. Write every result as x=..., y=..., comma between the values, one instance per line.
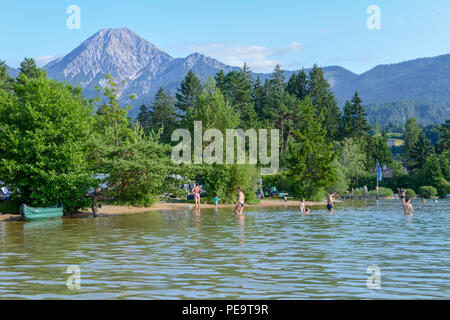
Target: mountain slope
x=424, y=80
x=119, y=52
x=12, y=72
x=145, y=68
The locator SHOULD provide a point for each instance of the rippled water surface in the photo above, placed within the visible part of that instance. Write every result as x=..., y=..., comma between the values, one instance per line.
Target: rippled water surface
x=272, y=253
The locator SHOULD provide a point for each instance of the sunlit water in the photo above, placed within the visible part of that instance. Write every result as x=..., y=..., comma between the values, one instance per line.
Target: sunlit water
x=273, y=253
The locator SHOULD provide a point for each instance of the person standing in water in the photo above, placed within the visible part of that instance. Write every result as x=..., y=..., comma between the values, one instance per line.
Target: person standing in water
x=197, y=191
x=330, y=206
x=302, y=206
x=216, y=201
x=407, y=206
x=240, y=202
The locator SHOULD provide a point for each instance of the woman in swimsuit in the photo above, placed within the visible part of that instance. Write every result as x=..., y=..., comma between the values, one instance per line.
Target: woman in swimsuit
x=197, y=191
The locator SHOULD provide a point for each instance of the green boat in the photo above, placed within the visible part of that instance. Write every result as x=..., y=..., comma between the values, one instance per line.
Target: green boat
x=30, y=213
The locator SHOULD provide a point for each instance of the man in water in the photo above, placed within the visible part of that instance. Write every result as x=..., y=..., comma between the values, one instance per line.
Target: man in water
x=330, y=205
x=240, y=202
x=407, y=206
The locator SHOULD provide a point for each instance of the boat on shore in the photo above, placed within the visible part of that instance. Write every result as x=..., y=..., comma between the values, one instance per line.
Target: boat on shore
x=30, y=213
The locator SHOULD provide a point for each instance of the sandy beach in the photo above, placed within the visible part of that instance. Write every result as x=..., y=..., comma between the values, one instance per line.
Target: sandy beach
x=164, y=206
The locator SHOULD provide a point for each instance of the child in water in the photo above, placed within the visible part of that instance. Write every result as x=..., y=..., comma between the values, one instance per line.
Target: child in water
x=216, y=201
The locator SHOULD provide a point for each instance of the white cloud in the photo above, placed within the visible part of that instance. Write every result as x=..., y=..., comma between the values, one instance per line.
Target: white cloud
x=258, y=58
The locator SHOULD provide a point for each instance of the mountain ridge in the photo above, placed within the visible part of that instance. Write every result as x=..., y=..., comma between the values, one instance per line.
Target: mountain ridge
x=145, y=68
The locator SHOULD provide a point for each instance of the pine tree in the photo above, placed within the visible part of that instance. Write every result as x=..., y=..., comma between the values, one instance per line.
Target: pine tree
x=323, y=100
x=6, y=82
x=220, y=80
x=346, y=126
x=298, y=85
x=360, y=124
x=29, y=70
x=259, y=98
x=188, y=92
x=163, y=115
x=419, y=153
x=144, y=117
x=410, y=135
x=310, y=157
x=237, y=89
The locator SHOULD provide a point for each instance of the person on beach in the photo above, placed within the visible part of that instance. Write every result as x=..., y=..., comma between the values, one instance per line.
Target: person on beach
x=302, y=206
x=330, y=206
x=407, y=206
x=240, y=202
x=197, y=191
x=216, y=201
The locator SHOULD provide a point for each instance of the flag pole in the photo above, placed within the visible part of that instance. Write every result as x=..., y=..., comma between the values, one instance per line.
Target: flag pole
x=378, y=179
x=378, y=190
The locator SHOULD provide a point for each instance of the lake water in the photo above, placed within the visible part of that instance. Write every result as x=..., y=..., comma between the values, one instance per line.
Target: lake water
x=272, y=253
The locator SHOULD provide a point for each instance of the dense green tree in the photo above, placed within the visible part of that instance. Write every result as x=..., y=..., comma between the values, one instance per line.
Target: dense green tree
x=323, y=100
x=310, y=157
x=29, y=69
x=420, y=151
x=297, y=85
x=432, y=173
x=259, y=98
x=361, y=126
x=144, y=117
x=280, y=106
x=139, y=168
x=216, y=112
x=163, y=115
x=44, y=126
x=6, y=82
x=444, y=142
x=410, y=136
x=188, y=92
x=352, y=159
x=354, y=122
x=236, y=86
x=221, y=81
x=375, y=147
x=213, y=110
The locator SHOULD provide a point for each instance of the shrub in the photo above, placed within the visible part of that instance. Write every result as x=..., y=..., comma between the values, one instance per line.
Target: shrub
x=428, y=191
x=443, y=187
x=410, y=193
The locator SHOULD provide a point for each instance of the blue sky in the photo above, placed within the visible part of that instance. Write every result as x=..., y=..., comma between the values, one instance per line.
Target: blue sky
x=294, y=33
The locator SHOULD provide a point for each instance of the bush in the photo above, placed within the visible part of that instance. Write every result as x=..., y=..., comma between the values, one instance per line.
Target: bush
x=224, y=179
x=443, y=187
x=428, y=191
x=410, y=193
x=384, y=192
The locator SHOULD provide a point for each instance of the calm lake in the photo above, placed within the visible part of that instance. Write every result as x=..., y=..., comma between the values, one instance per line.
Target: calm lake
x=273, y=253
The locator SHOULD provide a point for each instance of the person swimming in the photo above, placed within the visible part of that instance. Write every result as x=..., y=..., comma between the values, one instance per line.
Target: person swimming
x=307, y=211
x=330, y=205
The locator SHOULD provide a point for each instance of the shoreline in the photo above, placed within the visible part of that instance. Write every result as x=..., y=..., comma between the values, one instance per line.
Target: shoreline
x=165, y=206
x=108, y=210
